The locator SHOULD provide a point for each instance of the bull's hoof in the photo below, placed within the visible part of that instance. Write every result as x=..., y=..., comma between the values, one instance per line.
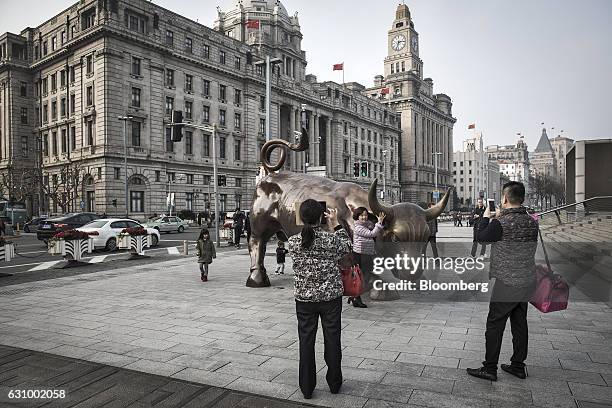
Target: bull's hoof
x=384, y=295
x=263, y=282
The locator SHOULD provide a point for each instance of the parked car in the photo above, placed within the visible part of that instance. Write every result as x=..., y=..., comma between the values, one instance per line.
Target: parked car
x=32, y=225
x=109, y=228
x=167, y=224
x=51, y=226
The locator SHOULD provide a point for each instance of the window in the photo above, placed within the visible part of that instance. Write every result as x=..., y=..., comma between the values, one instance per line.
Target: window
x=222, y=141
x=23, y=89
x=64, y=140
x=54, y=143
x=262, y=126
x=137, y=24
x=222, y=92
x=136, y=97
x=73, y=138
x=188, y=45
x=221, y=180
x=45, y=48
x=206, y=87
x=189, y=147
x=262, y=103
x=135, y=133
x=188, y=83
x=89, y=65
x=24, y=146
x=90, y=97
x=237, y=121
x=90, y=134
x=206, y=114
x=169, y=143
x=63, y=107
x=237, y=149
x=170, y=77
x=369, y=151
x=72, y=74
x=205, y=145
x=222, y=117
x=45, y=86
x=24, y=116
x=53, y=82
x=157, y=176
x=237, y=63
x=189, y=201
x=136, y=66
x=222, y=56
x=53, y=43
x=169, y=38
x=189, y=178
x=259, y=70
x=63, y=78
x=45, y=145
x=54, y=110
x=45, y=113
x=237, y=97
x=188, y=110
x=238, y=182
x=137, y=201
x=206, y=51
x=88, y=18
x=169, y=105
x=72, y=103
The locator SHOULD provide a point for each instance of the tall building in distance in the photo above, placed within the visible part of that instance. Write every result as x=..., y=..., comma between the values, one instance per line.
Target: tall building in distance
x=561, y=146
x=64, y=83
x=473, y=175
x=426, y=118
x=543, y=160
x=513, y=160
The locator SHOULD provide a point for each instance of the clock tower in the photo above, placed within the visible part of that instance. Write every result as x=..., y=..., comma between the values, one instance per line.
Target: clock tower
x=403, y=45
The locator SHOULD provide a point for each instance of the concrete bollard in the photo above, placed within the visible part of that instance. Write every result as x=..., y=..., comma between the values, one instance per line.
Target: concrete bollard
x=185, y=248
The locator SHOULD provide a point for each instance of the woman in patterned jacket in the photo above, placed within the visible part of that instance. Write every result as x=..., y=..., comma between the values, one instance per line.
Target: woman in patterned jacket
x=318, y=292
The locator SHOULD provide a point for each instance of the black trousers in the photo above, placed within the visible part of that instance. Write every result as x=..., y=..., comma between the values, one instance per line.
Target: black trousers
x=237, y=234
x=366, y=265
x=434, y=247
x=507, y=302
x=483, y=248
x=308, y=314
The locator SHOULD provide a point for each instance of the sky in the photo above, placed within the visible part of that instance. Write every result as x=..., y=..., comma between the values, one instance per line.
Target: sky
x=507, y=65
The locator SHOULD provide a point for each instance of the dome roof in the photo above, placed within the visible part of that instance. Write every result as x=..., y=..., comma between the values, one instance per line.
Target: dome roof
x=267, y=4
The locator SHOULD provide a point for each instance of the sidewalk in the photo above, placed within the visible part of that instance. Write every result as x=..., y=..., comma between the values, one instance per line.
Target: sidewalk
x=160, y=319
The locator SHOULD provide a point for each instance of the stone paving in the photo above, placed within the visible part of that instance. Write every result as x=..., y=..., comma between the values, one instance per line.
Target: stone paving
x=160, y=319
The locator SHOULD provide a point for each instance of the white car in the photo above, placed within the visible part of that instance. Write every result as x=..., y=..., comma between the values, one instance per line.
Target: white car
x=109, y=228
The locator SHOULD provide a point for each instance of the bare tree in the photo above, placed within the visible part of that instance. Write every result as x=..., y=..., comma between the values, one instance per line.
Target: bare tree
x=63, y=185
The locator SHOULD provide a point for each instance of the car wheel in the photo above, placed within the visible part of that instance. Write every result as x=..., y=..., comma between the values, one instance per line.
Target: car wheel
x=181, y=229
x=111, y=245
x=154, y=240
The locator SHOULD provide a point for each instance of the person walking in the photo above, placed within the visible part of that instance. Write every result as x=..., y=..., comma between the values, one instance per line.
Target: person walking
x=433, y=230
x=281, y=252
x=459, y=219
x=318, y=292
x=514, y=234
x=364, y=233
x=477, y=214
x=206, y=253
x=238, y=226
x=2, y=227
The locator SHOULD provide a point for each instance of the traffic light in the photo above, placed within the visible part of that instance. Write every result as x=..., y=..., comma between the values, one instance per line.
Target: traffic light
x=364, y=169
x=114, y=202
x=356, y=169
x=177, y=130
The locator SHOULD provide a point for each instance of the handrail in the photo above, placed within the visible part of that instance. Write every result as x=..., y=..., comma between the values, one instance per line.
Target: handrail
x=571, y=205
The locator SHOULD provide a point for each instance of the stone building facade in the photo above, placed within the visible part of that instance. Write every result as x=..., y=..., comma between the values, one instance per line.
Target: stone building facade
x=513, y=160
x=426, y=118
x=473, y=175
x=98, y=61
x=561, y=145
x=543, y=159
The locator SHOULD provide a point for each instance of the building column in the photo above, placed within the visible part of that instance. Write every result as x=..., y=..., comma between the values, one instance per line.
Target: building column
x=328, y=147
x=315, y=144
x=580, y=184
x=294, y=164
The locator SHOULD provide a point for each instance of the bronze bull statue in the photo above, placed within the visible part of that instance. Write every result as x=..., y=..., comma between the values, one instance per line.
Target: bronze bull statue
x=278, y=195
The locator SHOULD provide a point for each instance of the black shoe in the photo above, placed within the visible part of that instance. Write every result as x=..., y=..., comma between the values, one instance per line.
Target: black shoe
x=307, y=396
x=357, y=302
x=335, y=390
x=482, y=373
x=349, y=300
x=519, y=372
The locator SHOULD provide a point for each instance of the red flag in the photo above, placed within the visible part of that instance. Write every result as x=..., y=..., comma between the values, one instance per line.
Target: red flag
x=252, y=24
x=384, y=91
x=339, y=67
x=472, y=126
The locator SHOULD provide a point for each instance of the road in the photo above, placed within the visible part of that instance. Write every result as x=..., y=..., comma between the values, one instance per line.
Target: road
x=33, y=262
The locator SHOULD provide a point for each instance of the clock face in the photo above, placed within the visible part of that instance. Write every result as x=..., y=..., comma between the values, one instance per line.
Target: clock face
x=399, y=42
x=415, y=44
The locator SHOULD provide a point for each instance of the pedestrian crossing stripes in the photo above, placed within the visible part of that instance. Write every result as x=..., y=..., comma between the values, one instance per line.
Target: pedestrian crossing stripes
x=44, y=265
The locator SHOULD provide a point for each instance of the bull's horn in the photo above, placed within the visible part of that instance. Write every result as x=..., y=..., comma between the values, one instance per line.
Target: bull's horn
x=437, y=209
x=375, y=205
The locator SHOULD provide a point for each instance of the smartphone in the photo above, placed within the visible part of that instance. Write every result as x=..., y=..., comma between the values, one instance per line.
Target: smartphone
x=324, y=208
x=491, y=204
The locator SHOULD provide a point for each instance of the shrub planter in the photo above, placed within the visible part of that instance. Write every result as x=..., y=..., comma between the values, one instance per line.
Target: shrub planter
x=7, y=250
x=71, y=245
x=136, y=240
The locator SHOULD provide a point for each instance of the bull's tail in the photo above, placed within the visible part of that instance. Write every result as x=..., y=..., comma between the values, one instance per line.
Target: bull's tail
x=266, y=151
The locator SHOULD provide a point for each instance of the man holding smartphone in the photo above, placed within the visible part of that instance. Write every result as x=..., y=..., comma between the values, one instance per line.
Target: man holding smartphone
x=477, y=214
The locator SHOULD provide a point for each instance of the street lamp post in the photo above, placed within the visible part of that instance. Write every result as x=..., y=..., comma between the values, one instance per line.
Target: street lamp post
x=384, y=174
x=435, y=155
x=125, y=120
x=269, y=63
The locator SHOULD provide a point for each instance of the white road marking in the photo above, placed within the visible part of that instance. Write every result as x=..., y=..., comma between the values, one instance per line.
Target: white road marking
x=173, y=251
x=44, y=265
x=97, y=259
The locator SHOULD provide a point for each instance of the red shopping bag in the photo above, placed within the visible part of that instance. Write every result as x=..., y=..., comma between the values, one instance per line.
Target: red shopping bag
x=352, y=279
x=552, y=291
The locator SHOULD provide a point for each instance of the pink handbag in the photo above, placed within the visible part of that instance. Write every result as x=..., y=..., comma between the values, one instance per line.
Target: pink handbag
x=552, y=291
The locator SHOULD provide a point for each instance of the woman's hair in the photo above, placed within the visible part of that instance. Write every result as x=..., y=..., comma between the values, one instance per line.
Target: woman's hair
x=202, y=233
x=358, y=211
x=310, y=213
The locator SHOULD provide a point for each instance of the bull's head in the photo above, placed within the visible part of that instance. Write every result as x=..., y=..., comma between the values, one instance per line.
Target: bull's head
x=406, y=228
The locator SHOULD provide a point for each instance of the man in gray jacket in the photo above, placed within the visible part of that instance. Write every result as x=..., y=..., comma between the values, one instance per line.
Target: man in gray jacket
x=514, y=235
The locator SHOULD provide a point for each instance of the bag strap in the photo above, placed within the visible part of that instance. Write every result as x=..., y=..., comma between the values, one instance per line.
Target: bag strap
x=543, y=246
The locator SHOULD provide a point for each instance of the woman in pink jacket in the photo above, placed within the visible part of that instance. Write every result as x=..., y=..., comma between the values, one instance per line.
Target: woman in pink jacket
x=364, y=233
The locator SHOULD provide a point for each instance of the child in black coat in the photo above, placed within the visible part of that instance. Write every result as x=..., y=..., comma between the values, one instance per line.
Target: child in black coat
x=280, y=258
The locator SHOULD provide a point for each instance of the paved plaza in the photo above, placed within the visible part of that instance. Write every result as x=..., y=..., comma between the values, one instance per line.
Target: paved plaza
x=160, y=319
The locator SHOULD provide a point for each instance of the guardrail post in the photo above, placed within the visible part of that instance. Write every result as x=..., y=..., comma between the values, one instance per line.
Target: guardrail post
x=185, y=248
